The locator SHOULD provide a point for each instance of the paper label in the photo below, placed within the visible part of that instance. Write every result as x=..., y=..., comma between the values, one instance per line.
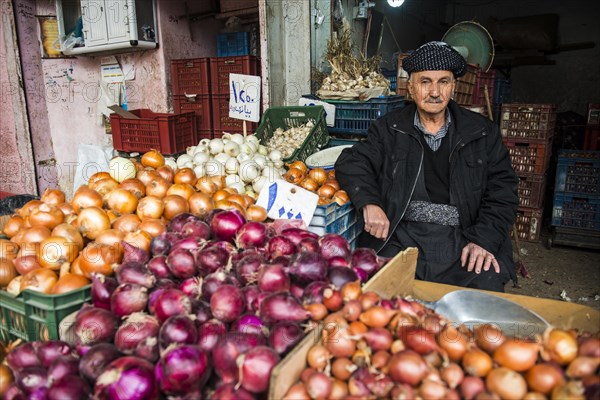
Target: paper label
x=244, y=99
x=284, y=200
x=329, y=108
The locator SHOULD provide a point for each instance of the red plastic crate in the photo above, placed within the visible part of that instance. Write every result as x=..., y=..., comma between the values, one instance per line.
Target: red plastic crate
x=169, y=133
x=591, y=138
x=528, y=157
x=531, y=190
x=528, y=121
x=191, y=76
x=483, y=79
x=529, y=223
x=199, y=105
x=221, y=67
x=221, y=120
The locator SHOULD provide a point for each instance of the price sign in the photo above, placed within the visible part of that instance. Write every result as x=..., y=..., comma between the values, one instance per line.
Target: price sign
x=283, y=200
x=244, y=99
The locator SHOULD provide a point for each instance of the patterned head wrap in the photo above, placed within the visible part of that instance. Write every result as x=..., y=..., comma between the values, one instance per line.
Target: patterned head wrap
x=435, y=56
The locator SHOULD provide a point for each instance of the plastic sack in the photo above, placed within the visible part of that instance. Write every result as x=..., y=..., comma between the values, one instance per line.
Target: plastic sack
x=8, y=205
x=90, y=159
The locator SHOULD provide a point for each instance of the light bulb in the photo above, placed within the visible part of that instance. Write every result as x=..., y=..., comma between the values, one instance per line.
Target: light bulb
x=395, y=3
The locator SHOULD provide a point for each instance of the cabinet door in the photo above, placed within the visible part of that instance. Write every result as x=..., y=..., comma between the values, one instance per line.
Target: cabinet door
x=93, y=14
x=117, y=20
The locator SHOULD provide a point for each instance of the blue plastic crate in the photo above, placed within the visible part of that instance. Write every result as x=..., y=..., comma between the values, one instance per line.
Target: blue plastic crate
x=355, y=117
x=233, y=44
x=391, y=76
x=502, y=89
x=332, y=219
x=576, y=211
x=578, y=172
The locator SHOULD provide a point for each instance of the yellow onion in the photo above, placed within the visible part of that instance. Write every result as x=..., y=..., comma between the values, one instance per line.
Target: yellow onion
x=70, y=233
x=67, y=209
x=39, y=280
x=559, y=346
x=341, y=197
x=147, y=175
x=13, y=225
x=150, y=207
x=332, y=182
x=319, y=175
x=127, y=223
x=135, y=186
x=294, y=175
x=174, y=205
x=309, y=184
x=92, y=221
x=166, y=173
x=27, y=207
x=98, y=176
x=46, y=215
x=206, y=185
x=104, y=186
x=138, y=239
x=153, y=158
x=14, y=286
x=69, y=282
x=55, y=251
x=110, y=237
x=7, y=272
x=53, y=197
x=8, y=249
x=506, y=383
x=326, y=191
x=542, y=378
x=185, y=175
x=122, y=201
x=85, y=197
x=35, y=235
x=201, y=203
x=153, y=227
x=184, y=190
x=6, y=378
x=157, y=187
x=99, y=258
x=256, y=213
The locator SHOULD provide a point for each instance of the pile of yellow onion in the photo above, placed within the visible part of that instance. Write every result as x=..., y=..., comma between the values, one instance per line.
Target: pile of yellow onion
x=317, y=180
x=56, y=245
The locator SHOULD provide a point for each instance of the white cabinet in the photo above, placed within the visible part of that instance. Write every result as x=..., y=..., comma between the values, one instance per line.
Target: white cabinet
x=107, y=26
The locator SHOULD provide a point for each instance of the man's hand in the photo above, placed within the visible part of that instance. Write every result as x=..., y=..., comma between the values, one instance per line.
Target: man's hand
x=478, y=257
x=376, y=222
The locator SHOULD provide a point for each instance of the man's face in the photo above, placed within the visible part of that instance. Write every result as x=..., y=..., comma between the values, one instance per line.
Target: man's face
x=431, y=90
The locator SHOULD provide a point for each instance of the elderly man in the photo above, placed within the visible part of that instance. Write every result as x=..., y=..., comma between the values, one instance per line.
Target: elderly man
x=437, y=177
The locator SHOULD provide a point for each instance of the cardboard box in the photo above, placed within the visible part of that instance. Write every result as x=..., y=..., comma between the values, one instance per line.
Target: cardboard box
x=397, y=278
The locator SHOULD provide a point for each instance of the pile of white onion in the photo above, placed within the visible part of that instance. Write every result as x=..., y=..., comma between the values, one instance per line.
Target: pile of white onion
x=246, y=164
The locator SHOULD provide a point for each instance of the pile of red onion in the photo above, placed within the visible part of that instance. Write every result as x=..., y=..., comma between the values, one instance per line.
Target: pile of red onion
x=208, y=312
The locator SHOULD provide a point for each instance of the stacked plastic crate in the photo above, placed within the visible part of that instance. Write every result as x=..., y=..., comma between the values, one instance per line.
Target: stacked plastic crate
x=527, y=130
x=576, y=207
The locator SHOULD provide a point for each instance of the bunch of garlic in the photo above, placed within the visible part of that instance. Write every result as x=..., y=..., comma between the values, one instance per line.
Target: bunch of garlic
x=342, y=82
x=289, y=140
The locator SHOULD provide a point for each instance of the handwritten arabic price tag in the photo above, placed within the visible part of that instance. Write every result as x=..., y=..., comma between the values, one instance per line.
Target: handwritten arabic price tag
x=244, y=99
x=283, y=200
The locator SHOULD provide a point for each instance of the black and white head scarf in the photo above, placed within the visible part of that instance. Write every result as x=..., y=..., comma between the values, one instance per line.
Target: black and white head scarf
x=435, y=56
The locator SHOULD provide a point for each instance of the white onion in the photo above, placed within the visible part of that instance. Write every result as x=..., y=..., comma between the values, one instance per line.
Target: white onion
x=238, y=138
x=190, y=150
x=249, y=170
x=204, y=142
x=278, y=164
x=238, y=186
x=243, y=157
x=216, y=146
x=259, y=182
x=189, y=165
x=232, y=166
x=252, y=138
x=271, y=173
x=121, y=168
x=275, y=155
x=200, y=158
x=201, y=149
x=226, y=136
x=222, y=158
x=183, y=159
x=246, y=149
x=253, y=146
x=231, y=179
x=260, y=160
x=263, y=150
x=232, y=148
x=214, y=168
x=170, y=161
x=200, y=170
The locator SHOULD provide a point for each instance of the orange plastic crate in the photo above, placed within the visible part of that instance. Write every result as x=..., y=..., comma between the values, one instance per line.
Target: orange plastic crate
x=169, y=133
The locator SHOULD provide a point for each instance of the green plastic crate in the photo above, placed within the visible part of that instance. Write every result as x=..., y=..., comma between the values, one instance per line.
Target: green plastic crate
x=291, y=117
x=36, y=316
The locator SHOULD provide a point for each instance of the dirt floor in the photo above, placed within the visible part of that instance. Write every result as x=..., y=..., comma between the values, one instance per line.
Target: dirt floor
x=560, y=273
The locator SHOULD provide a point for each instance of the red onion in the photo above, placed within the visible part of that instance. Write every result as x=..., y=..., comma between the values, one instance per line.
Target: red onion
x=308, y=267
x=171, y=302
x=339, y=276
x=309, y=244
x=63, y=366
x=70, y=387
x=30, y=379
x=313, y=293
x=229, y=347
x=201, y=310
x=273, y=278
x=338, y=262
x=197, y=229
x=295, y=235
x=420, y=340
x=318, y=386
x=334, y=245
x=226, y=224
x=365, y=259
x=225, y=245
x=148, y=349
x=408, y=367
x=102, y=288
x=128, y=298
x=181, y=263
x=297, y=290
x=380, y=385
x=135, y=272
x=159, y=268
x=23, y=356
x=210, y=332
x=210, y=215
x=178, y=329
x=249, y=323
x=230, y=392
x=211, y=259
x=214, y=281
x=247, y=268
x=14, y=393
x=176, y=223
x=256, y=366
x=127, y=378
x=189, y=243
x=182, y=370
x=192, y=287
x=136, y=328
x=95, y=325
x=51, y=350
x=280, y=246
x=284, y=336
x=160, y=244
x=94, y=362
x=251, y=293
x=227, y=303
x=282, y=307
x=251, y=234
x=133, y=253
x=361, y=274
